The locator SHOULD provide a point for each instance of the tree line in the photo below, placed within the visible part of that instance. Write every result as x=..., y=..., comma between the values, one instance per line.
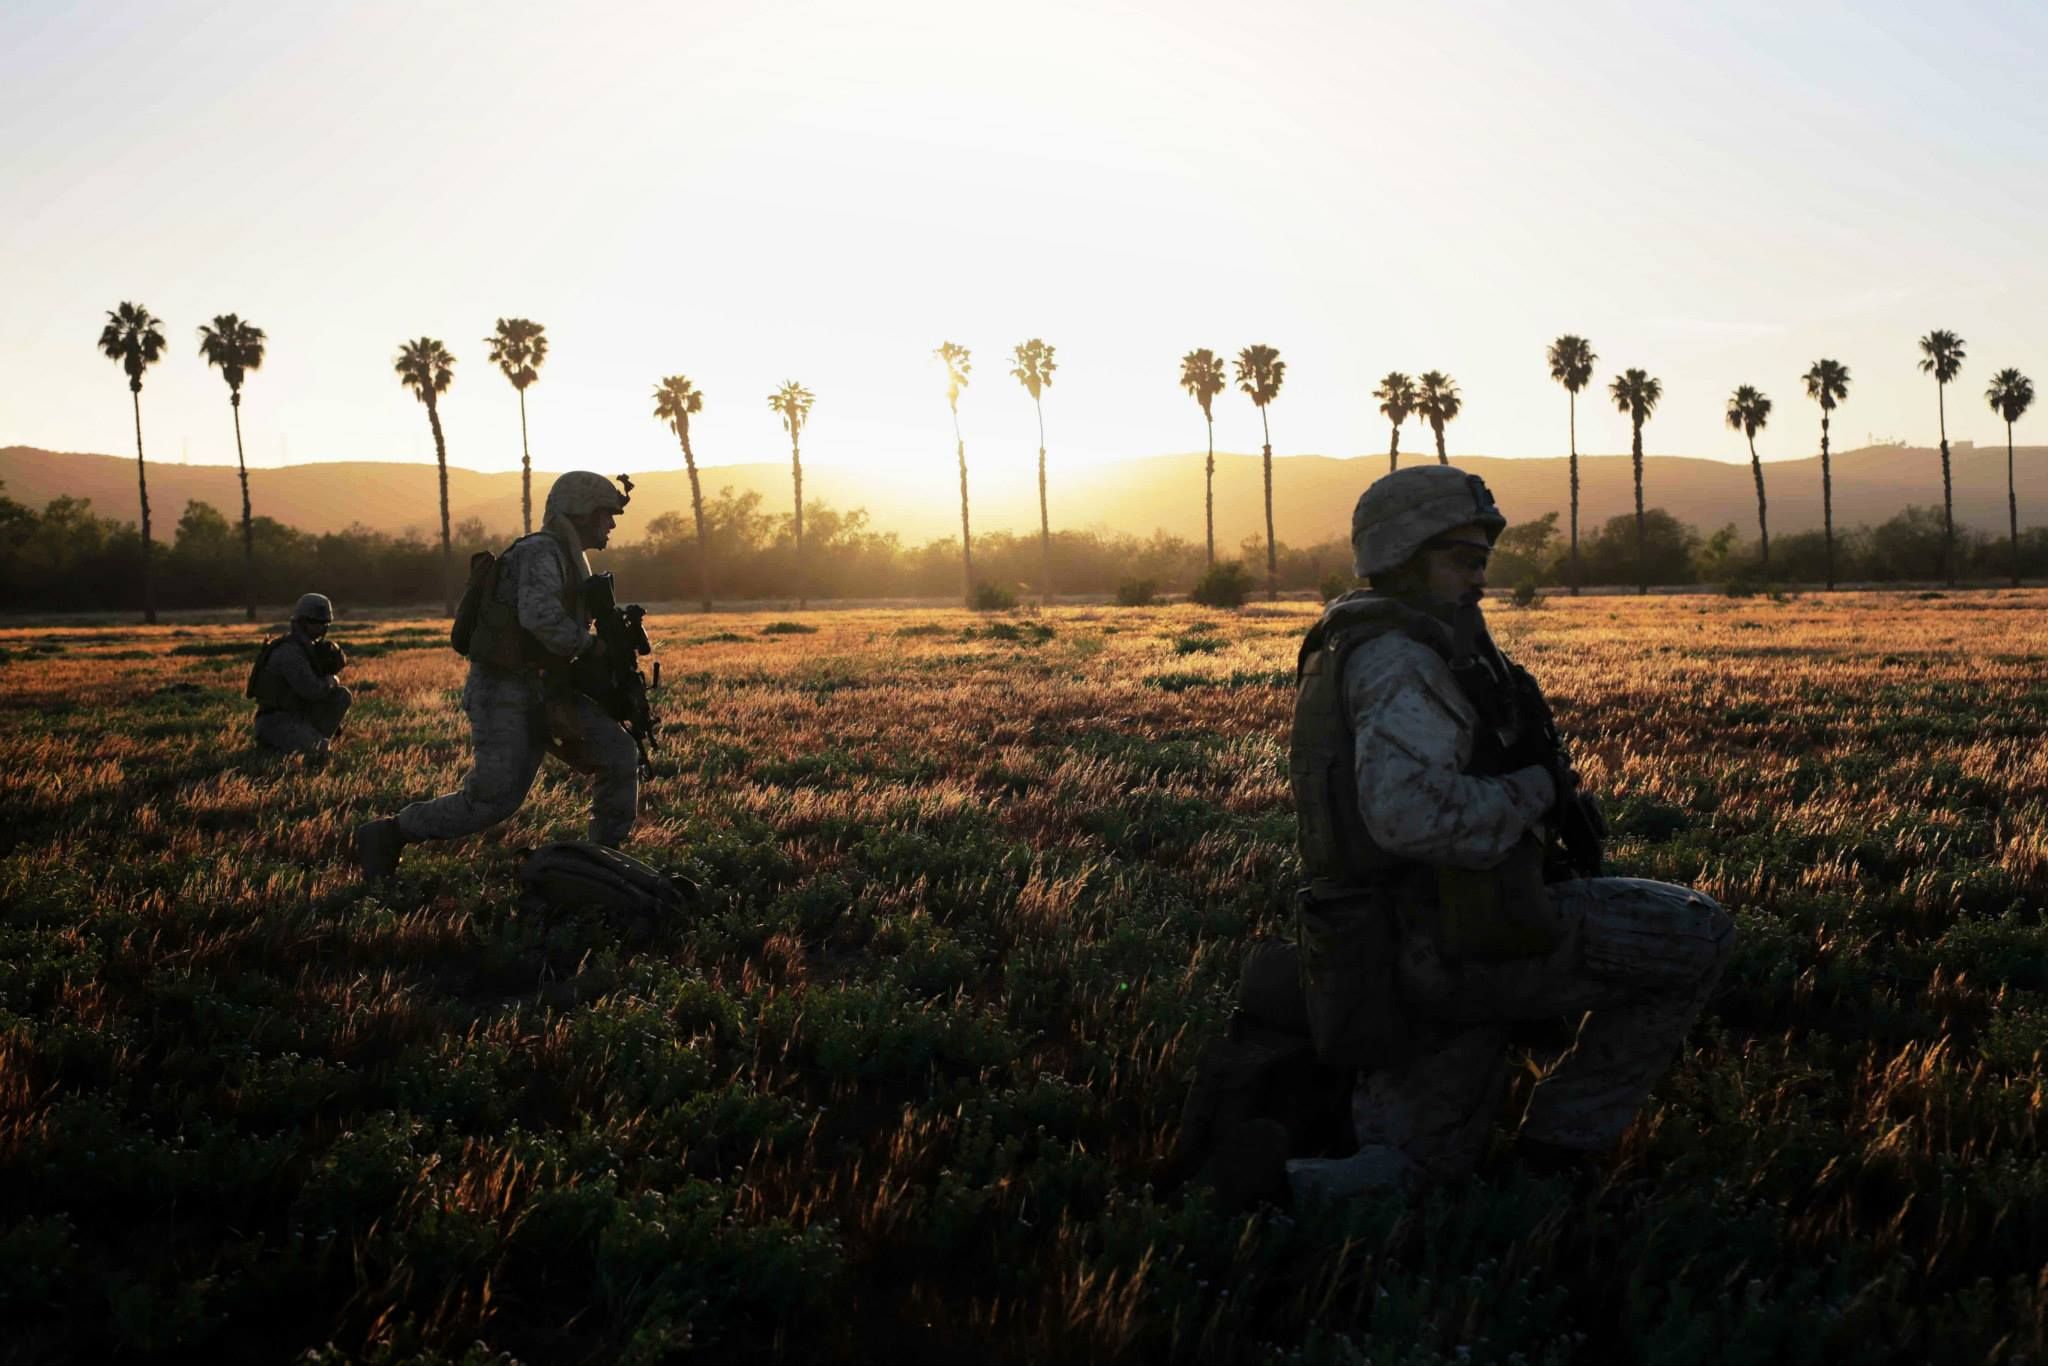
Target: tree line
x=67, y=557
x=133, y=337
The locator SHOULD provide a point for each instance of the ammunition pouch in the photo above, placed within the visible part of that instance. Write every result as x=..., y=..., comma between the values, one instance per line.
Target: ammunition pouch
x=1350, y=951
x=1488, y=914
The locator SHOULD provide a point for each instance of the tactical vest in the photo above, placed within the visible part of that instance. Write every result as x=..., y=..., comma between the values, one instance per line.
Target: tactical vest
x=266, y=688
x=496, y=637
x=1322, y=757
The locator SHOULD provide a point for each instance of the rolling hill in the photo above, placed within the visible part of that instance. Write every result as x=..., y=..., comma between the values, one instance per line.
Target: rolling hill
x=1312, y=494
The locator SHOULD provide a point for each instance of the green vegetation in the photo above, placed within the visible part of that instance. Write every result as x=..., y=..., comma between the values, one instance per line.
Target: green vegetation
x=906, y=1083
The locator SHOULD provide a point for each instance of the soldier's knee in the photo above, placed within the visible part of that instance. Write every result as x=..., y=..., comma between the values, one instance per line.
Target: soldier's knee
x=343, y=699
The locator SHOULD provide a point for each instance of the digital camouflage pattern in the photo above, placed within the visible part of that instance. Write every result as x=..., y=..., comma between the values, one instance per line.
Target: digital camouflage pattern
x=1641, y=956
x=512, y=721
x=1414, y=731
x=299, y=708
x=1400, y=512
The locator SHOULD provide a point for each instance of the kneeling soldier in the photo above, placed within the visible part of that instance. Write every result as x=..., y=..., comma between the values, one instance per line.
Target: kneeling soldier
x=532, y=621
x=299, y=701
x=1454, y=871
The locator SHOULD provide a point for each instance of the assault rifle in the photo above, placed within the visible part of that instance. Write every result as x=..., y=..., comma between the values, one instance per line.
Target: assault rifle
x=610, y=675
x=1510, y=704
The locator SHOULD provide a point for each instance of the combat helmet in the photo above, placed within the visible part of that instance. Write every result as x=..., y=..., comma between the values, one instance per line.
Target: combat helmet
x=580, y=492
x=313, y=607
x=1401, y=512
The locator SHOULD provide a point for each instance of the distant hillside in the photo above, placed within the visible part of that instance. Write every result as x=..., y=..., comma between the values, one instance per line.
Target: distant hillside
x=1312, y=494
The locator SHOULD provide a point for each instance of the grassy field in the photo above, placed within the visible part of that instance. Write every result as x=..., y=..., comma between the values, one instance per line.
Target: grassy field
x=904, y=1090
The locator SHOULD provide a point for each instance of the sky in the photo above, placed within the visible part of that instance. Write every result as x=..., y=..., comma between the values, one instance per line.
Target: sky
x=748, y=193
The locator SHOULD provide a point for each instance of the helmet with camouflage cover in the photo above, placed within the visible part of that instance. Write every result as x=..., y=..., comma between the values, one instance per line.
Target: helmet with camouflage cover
x=580, y=492
x=1403, y=511
x=313, y=607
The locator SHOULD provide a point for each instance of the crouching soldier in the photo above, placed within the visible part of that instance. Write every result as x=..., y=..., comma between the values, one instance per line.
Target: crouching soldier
x=530, y=622
x=300, y=703
x=1454, y=872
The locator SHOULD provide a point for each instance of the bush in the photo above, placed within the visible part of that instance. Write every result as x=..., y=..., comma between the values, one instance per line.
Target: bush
x=993, y=597
x=1137, y=593
x=1337, y=583
x=1224, y=585
x=1525, y=593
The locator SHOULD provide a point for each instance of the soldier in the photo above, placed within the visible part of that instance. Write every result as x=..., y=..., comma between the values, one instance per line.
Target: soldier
x=299, y=701
x=532, y=622
x=1432, y=794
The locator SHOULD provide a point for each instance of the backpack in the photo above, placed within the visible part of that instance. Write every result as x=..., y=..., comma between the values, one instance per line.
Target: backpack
x=577, y=875
x=1264, y=1068
x=482, y=582
x=270, y=692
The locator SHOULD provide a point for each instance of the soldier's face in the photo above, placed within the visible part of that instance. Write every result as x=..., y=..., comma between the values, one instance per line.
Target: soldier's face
x=594, y=529
x=313, y=628
x=1456, y=563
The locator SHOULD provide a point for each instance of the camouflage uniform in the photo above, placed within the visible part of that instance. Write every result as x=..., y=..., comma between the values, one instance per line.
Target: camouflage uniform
x=1640, y=956
x=299, y=708
x=514, y=720
x=1636, y=959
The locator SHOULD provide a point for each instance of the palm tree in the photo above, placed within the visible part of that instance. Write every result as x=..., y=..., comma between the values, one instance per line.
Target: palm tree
x=2010, y=395
x=1827, y=383
x=1260, y=373
x=1437, y=401
x=1749, y=409
x=237, y=348
x=133, y=336
x=1571, y=364
x=425, y=367
x=1397, y=400
x=520, y=347
x=1201, y=374
x=675, y=398
x=1033, y=370
x=793, y=401
x=1636, y=394
x=959, y=363
x=1941, y=355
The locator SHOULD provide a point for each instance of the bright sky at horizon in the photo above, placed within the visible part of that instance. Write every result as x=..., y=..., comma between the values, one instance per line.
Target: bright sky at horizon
x=748, y=193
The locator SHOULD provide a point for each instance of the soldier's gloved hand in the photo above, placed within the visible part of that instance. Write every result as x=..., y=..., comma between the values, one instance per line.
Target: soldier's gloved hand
x=328, y=657
x=595, y=649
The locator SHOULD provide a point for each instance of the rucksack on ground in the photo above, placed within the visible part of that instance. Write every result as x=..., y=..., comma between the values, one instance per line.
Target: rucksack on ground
x=1264, y=1070
x=579, y=875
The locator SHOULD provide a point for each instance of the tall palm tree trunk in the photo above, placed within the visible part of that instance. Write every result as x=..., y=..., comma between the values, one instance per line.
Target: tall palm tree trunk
x=1272, y=554
x=148, y=544
x=1209, y=497
x=1044, y=522
x=1827, y=501
x=966, y=537
x=1948, y=500
x=1763, y=526
x=1642, y=557
x=2012, y=507
x=447, y=544
x=1574, y=400
x=1441, y=458
x=697, y=511
x=248, y=522
x=796, y=471
x=525, y=470
x=1394, y=450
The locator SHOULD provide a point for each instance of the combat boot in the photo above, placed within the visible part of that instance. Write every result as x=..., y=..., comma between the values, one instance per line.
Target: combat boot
x=378, y=843
x=1373, y=1168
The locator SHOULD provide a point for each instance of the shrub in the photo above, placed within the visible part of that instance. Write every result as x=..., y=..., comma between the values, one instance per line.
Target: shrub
x=1224, y=585
x=993, y=597
x=1337, y=583
x=1525, y=593
x=1136, y=593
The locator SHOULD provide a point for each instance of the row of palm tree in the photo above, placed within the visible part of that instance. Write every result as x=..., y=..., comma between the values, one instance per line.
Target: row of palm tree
x=518, y=347
x=235, y=346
